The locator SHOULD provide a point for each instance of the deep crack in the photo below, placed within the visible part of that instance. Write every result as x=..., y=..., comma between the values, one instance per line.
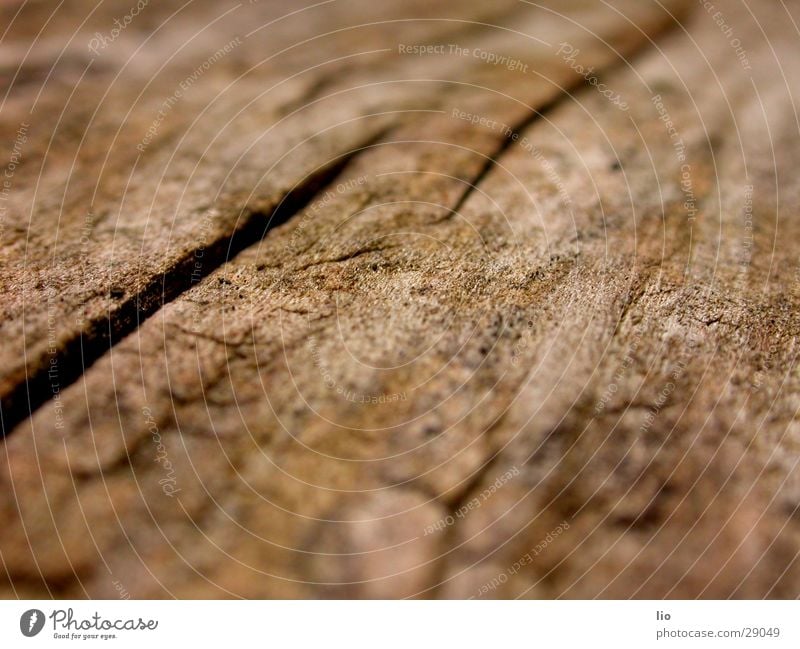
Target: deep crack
x=84, y=349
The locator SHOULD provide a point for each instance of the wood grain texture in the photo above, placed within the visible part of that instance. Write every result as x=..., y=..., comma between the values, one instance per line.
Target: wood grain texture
x=363, y=323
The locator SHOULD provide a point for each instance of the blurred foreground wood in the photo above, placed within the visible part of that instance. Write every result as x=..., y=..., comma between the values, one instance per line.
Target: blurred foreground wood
x=401, y=299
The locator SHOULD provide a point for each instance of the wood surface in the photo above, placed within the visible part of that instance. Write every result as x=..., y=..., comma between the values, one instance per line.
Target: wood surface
x=293, y=309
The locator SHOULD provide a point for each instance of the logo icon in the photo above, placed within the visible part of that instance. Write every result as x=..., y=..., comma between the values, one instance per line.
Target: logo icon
x=31, y=622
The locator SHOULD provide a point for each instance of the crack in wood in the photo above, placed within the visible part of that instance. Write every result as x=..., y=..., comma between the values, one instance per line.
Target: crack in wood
x=83, y=350
x=516, y=130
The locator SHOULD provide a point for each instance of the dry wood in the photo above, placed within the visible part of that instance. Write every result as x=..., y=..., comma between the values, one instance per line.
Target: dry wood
x=371, y=324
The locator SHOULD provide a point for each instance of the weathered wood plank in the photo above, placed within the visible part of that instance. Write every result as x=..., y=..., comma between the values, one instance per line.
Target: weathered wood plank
x=650, y=424
x=107, y=226
x=329, y=397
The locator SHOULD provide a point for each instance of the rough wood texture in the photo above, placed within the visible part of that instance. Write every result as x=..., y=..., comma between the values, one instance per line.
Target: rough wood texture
x=355, y=322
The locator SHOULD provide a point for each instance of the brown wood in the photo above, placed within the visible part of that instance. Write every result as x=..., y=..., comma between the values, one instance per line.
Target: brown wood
x=356, y=322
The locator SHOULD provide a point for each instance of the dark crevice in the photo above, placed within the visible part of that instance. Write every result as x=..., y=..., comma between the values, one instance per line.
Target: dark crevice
x=101, y=334
x=492, y=158
x=79, y=353
x=516, y=130
x=346, y=256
